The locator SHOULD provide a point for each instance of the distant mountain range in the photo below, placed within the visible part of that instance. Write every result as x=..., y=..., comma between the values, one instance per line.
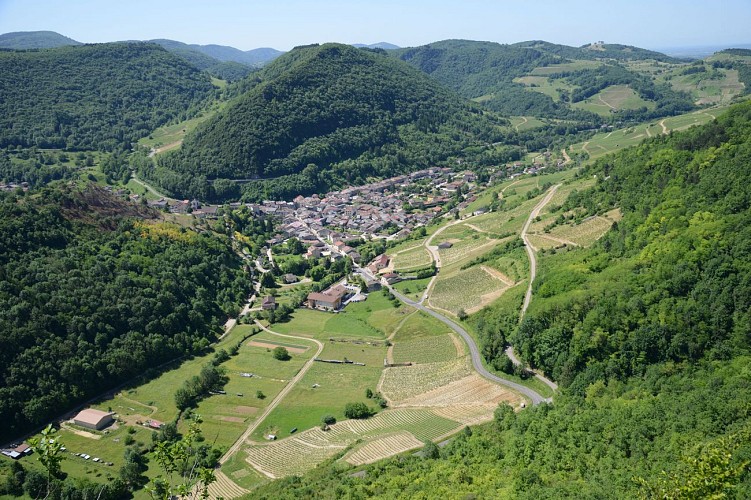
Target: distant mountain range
x=379, y=45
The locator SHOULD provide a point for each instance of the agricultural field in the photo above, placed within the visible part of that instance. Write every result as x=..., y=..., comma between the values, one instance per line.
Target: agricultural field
x=302, y=452
x=425, y=350
x=545, y=85
x=574, y=65
x=522, y=123
x=611, y=99
x=372, y=319
x=326, y=388
x=615, y=140
x=479, y=287
x=713, y=86
x=465, y=249
x=588, y=231
x=383, y=447
x=414, y=258
x=403, y=382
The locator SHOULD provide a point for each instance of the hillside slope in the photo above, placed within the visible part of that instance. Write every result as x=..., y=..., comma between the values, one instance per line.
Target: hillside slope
x=95, y=290
x=490, y=72
x=323, y=116
x=103, y=96
x=647, y=333
x=23, y=40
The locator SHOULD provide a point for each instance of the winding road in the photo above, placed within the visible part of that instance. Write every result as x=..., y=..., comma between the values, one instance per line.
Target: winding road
x=474, y=352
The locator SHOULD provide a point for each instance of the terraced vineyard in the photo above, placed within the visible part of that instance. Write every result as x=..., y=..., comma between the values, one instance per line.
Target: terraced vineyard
x=474, y=283
x=507, y=221
x=412, y=259
x=465, y=249
x=425, y=349
x=472, y=390
x=403, y=382
x=298, y=454
x=383, y=447
x=224, y=487
x=586, y=233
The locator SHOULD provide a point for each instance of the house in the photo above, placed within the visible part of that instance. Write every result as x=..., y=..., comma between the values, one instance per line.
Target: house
x=154, y=424
x=372, y=285
x=94, y=419
x=329, y=300
x=269, y=303
x=290, y=278
x=380, y=262
x=314, y=252
x=445, y=244
x=391, y=278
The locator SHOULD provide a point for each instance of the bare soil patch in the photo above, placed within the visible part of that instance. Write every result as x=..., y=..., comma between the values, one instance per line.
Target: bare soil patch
x=246, y=410
x=270, y=345
x=231, y=419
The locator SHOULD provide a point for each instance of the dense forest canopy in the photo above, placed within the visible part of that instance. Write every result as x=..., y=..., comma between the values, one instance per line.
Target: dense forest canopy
x=324, y=116
x=647, y=333
x=95, y=290
x=94, y=97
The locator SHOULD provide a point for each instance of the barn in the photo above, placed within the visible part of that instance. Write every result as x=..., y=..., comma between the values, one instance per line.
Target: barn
x=94, y=419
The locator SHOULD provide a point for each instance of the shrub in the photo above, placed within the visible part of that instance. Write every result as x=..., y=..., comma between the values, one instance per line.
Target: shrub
x=280, y=353
x=356, y=410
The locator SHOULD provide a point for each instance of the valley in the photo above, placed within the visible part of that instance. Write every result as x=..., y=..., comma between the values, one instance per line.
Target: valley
x=461, y=269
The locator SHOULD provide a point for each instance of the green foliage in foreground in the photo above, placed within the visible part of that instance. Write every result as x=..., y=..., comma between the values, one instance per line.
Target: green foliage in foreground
x=647, y=334
x=102, y=96
x=90, y=298
x=613, y=443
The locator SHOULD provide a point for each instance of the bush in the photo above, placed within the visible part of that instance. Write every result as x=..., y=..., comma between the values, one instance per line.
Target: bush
x=430, y=450
x=356, y=410
x=280, y=353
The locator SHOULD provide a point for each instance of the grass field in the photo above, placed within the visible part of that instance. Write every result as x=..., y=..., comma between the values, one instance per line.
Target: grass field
x=171, y=136
x=718, y=86
x=412, y=288
x=338, y=384
x=545, y=85
x=574, y=65
x=612, y=99
x=609, y=142
x=423, y=339
x=522, y=123
x=372, y=319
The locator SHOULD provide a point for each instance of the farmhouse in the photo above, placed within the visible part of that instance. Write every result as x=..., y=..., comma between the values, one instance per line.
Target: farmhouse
x=330, y=300
x=94, y=419
x=391, y=278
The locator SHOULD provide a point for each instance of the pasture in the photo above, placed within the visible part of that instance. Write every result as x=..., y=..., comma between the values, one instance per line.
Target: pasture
x=612, y=99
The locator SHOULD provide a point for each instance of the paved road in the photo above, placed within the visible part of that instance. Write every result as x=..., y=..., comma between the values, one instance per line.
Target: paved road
x=474, y=352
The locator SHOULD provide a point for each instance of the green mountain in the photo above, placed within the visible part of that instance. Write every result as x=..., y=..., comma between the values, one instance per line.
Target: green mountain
x=647, y=334
x=220, y=53
x=324, y=116
x=22, y=40
x=229, y=70
x=103, y=96
x=495, y=74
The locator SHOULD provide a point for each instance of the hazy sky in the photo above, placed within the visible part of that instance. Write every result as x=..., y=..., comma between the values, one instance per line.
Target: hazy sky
x=283, y=24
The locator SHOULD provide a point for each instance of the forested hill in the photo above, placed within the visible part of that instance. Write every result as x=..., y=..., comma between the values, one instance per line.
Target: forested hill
x=102, y=96
x=94, y=291
x=225, y=69
x=647, y=333
x=324, y=116
x=490, y=72
x=22, y=40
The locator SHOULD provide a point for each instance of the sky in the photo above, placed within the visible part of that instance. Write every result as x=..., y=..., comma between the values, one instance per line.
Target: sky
x=282, y=24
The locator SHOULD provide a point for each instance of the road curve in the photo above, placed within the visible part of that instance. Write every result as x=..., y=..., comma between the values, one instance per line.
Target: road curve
x=235, y=447
x=474, y=351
